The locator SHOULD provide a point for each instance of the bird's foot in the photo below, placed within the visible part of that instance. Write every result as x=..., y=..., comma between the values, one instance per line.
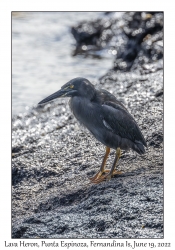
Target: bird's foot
x=105, y=177
x=98, y=175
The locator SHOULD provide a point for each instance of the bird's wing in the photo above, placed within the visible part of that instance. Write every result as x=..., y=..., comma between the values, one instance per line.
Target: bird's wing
x=116, y=105
x=118, y=120
x=105, y=97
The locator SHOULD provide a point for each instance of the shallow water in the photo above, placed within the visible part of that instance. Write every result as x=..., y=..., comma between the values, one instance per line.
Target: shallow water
x=42, y=60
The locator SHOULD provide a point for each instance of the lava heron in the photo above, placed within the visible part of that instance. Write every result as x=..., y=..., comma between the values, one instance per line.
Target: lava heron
x=105, y=117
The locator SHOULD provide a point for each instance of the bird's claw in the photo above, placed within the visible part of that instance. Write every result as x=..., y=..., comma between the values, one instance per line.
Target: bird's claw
x=98, y=175
x=105, y=177
x=97, y=179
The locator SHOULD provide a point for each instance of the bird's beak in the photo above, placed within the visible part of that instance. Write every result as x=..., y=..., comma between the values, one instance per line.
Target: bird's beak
x=60, y=93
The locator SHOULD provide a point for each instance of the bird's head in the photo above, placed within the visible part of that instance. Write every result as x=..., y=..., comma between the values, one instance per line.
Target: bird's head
x=76, y=87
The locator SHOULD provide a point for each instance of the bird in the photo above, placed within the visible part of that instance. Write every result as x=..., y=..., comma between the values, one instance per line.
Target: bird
x=106, y=118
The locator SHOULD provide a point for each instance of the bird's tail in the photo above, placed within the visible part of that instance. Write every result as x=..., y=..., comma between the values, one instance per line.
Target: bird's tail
x=139, y=148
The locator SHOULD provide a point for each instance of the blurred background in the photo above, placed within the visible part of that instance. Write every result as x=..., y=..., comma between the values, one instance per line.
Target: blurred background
x=50, y=48
x=42, y=55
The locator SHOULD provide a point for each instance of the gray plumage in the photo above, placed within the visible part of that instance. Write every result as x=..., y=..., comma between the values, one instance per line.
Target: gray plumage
x=102, y=114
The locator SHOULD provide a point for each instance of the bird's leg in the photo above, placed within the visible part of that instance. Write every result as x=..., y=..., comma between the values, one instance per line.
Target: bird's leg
x=112, y=171
x=102, y=168
x=118, y=155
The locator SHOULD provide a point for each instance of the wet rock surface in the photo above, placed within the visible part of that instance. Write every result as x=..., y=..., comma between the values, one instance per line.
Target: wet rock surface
x=53, y=157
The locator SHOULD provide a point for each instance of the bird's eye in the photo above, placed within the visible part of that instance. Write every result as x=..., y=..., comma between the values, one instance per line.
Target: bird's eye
x=71, y=86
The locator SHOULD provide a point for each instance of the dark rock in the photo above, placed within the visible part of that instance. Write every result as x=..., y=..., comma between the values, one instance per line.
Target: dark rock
x=159, y=93
x=18, y=233
x=17, y=149
x=137, y=30
x=157, y=138
x=138, y=37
